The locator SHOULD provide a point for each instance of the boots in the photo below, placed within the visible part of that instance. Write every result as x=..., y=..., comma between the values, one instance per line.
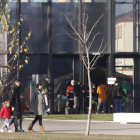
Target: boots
x=42, y=129
x=20, y=122
x=30, y=128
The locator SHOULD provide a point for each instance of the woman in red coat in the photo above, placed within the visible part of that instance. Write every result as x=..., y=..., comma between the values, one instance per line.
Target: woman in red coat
x=6, y=113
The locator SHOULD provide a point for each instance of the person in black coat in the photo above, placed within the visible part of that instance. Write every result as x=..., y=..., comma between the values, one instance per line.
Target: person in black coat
x=14, y=97
x=117, y=95
x=76, y=90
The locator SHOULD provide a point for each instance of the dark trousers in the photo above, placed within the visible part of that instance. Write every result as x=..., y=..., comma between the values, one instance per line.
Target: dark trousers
x=20, y=122
x=38, y=117
x=71, y=103
x=16, y=122
x=118, y=106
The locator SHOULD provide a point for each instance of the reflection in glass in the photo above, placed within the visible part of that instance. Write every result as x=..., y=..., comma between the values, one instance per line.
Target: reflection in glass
x=63, y=71
x=34, y=15
x=61, y=42
x=124, y=74
x=124, y=28
x=92, y=9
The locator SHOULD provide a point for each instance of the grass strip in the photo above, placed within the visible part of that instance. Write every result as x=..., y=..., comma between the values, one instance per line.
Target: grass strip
x=60, y=136
x=94, y=117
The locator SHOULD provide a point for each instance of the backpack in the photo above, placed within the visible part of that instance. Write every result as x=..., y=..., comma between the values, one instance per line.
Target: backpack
x=119, y=94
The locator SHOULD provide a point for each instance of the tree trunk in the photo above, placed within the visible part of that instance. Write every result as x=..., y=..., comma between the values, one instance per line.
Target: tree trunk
x=90, y=98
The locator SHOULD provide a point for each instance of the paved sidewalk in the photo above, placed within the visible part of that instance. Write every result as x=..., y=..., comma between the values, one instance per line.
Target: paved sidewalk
x=108, y=128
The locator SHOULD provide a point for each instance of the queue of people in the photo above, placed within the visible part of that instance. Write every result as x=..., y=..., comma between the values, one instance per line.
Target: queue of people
x=118, y=95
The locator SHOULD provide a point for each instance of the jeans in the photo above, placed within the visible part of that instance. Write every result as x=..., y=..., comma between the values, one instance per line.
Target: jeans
x=99, y=105
x=118, y=106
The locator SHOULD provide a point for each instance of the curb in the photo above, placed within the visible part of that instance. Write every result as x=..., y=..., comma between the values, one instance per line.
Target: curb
x=68, y=120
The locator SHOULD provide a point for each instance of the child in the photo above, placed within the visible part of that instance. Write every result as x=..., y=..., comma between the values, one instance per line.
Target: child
x=6, y=112
x=23, y=106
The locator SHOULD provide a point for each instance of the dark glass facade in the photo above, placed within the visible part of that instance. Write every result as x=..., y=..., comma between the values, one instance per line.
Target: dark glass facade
x=54, y=54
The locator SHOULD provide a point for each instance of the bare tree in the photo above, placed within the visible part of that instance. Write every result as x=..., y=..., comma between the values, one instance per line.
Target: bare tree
x=85, y=44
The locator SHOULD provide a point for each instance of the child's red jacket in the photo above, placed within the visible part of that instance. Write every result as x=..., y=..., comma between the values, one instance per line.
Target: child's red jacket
x=6, y=112
x=23, y=106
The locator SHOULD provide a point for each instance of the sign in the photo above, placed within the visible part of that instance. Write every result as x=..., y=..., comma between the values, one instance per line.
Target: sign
x=111, y=81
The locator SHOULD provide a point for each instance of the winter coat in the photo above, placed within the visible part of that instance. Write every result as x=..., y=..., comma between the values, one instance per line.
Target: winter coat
x=70, y=92
x=38, y=104
x=14, y=98
x=117, y=89
x=102, y=91
x=5, y=112
x=23, y=106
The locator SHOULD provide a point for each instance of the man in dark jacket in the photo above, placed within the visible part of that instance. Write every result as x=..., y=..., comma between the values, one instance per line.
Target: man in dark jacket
x=117, y=95
x=14, y=97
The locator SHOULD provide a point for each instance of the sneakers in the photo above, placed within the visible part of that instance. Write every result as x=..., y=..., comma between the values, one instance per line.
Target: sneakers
x=9, y=131
x=1, y=130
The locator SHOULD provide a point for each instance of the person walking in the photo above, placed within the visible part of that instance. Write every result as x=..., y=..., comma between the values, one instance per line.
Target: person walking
x=38, y=105
x=76, y=90
x=6, y=113
x=23, y=106
x=117, y=95
x=102, y=91
x=14, y=97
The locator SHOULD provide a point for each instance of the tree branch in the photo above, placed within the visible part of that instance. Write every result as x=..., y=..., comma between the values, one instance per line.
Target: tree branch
x=73, y=28
x=90, y=43
x=88, y=35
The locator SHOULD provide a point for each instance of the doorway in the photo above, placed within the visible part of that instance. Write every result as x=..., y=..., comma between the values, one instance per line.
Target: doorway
x=124, y=72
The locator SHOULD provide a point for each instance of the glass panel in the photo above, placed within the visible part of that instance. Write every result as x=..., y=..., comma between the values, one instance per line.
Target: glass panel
x=61, y=42
x=92, y=9
x=34, y=72
x=124, y=73
x=34, y=15
x=124, y=0
x=63, y=71
x=28, y=84
x=13, y=22
x=124, y=26
x=8, y=69
x=37, y=64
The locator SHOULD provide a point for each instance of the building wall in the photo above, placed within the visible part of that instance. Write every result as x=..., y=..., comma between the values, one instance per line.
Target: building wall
x=124, y=43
